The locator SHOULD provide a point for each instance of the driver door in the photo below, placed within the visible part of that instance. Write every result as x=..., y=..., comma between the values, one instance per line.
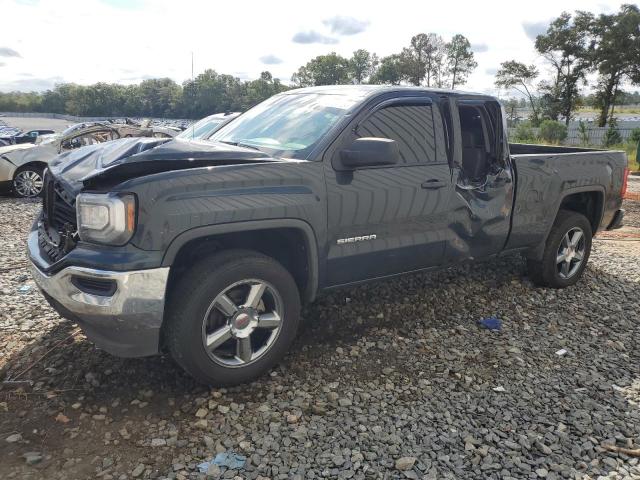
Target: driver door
x=389, y=219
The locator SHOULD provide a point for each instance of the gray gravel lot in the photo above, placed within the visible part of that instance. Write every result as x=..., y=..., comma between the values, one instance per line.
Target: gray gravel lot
x=389, y=380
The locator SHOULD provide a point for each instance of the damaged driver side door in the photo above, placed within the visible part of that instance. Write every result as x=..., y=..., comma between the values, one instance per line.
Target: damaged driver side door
x=482, y=180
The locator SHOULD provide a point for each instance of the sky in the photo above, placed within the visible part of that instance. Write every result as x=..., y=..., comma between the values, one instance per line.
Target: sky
x=44, y=42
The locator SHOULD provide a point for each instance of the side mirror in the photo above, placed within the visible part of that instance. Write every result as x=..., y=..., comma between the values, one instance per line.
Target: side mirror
x=369, y=152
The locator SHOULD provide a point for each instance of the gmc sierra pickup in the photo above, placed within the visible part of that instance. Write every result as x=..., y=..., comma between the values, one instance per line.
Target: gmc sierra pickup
x=206, y=249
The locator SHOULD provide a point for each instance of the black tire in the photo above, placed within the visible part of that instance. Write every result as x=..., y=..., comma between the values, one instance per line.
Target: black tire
x=30, y=171
x=192, y=300
x=547, y=272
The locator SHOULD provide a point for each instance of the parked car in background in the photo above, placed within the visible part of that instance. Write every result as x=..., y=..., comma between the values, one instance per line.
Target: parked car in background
x=203, y=129
x=26, y=137
x=206, y=249
x=21, y=170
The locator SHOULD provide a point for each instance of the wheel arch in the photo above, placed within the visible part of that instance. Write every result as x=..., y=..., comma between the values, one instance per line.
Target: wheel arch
x=25, y=166
x=588, y=200
x=292, y=242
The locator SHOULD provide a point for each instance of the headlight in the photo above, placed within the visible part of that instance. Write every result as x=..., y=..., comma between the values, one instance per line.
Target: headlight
x=106, y=218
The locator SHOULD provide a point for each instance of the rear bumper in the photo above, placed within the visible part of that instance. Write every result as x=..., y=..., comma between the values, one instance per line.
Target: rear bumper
x=125, y=322
x=617, y=221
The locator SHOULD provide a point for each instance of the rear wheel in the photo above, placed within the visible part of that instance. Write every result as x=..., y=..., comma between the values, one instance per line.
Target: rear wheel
x=232, y=317
x=28, y=181
x=566, y=252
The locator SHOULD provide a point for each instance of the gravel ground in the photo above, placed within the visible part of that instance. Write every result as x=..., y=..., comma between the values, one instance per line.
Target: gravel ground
x=392, y=380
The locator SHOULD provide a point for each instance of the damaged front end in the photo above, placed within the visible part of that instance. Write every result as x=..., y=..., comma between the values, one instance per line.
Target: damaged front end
x=57, y=225
x=100, y=168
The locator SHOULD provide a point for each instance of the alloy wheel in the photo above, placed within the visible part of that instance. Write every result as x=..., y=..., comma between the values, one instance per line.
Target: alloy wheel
x=242, y=323
x=570, y=253
x=28, y=183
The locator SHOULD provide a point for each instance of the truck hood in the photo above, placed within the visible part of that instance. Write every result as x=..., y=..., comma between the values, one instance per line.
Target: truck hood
x=112, y=162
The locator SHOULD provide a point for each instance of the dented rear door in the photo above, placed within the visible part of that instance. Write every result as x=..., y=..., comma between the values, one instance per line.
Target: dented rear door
x=480, y=215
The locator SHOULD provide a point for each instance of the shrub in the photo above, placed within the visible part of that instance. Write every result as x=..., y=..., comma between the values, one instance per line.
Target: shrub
x=612, y=136
x=524, y=133
x=583, y=133
x=634, y=138
x=552, y=131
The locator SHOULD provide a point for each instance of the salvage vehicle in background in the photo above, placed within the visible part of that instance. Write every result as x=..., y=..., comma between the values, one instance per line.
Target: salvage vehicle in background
x=21, y=169
x=203, y=129
x=206, y=249
x=24, y=137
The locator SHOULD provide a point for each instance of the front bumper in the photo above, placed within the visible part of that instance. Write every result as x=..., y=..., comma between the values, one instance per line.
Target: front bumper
x=7, y=170
x=125, y=322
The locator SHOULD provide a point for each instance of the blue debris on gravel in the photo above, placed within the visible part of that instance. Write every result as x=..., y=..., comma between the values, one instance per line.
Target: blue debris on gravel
x=490, y=323
x=232, y=461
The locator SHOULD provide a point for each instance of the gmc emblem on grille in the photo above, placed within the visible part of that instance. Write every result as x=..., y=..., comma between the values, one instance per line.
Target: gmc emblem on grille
x=362, y=238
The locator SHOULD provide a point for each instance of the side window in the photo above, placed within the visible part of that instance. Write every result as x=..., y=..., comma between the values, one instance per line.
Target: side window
x=411, y=126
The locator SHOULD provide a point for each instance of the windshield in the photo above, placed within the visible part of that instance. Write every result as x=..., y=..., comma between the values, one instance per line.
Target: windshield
x=287, y=125
x=201, y=129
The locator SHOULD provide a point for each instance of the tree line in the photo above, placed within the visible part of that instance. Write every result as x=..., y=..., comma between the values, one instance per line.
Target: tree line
x=207, y=93
x=428, y=60
x=574, y=46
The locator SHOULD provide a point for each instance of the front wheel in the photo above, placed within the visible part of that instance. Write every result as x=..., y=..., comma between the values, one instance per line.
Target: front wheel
x=28, y=181
x=566, y=252
x=232, y=317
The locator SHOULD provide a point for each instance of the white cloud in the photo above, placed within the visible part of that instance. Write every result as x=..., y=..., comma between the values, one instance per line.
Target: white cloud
x=270, y=60
x=311, y=36
x=9, y=52
x=346, y=25
x=87, y=41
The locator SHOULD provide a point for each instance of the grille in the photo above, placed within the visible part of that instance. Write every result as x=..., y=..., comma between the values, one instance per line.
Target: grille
x=57, y=232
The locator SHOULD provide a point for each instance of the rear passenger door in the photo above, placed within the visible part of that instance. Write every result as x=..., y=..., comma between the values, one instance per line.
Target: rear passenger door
x=482, y=179
x=390, y=219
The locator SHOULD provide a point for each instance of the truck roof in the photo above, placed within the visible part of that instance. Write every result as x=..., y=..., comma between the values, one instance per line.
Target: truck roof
x=363, y=91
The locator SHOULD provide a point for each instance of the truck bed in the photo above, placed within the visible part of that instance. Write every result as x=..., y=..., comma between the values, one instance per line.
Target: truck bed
x=528, y=149
x=547, y=175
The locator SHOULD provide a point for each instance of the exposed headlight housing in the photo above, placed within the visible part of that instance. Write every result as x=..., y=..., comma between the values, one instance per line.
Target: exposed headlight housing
x=108, y=218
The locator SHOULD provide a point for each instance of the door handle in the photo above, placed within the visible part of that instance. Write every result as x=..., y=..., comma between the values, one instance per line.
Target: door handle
x=433, y=184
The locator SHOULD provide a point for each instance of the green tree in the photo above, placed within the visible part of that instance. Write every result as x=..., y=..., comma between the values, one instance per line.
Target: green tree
x=565, y=46
x=552, y=131
x=511, y=109
x=612, y=135
x=160, y=97
x=255, y=91
x=616, y=55
x=520, y=77
x=423, y=61
x=524, y=133
x=389, y=71
x=331, y=69
x=459, y=60
x=362, y=65
x=583, y=133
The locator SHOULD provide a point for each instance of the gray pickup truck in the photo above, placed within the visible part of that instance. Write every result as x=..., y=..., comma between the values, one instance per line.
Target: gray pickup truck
x=207, y=249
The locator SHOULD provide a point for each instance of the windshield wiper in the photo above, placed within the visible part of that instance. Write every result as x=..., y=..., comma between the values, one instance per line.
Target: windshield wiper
x=240, y=144
x=246, y=145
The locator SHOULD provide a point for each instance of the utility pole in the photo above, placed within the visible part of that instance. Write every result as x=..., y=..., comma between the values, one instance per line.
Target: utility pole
x=191, y=65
